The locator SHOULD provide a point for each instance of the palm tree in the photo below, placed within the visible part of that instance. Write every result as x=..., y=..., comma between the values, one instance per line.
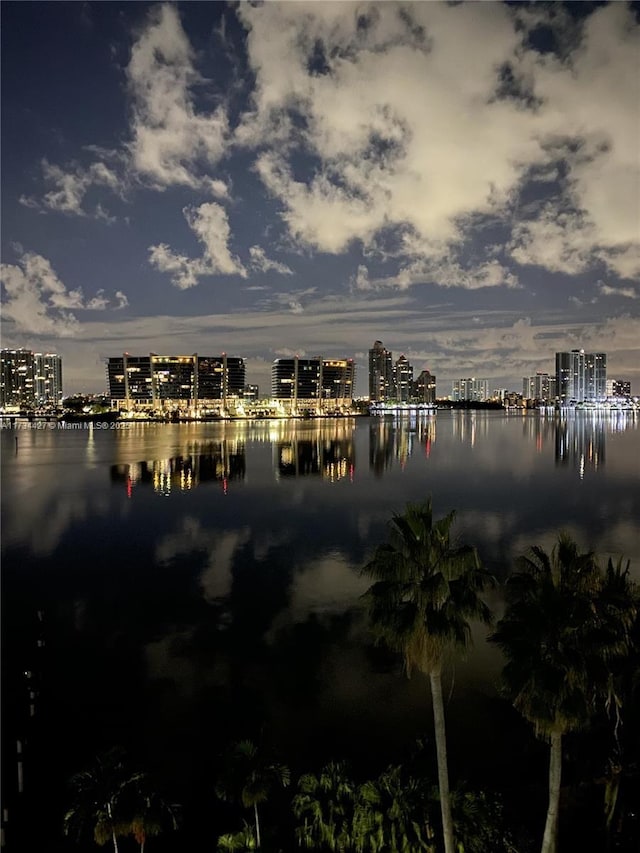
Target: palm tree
x=238, y=841
x=424, y=595
x=326, y=806
x=565, y=625
x=98, y=794
x=397, y=808
x=151, y=814
x=249, y=777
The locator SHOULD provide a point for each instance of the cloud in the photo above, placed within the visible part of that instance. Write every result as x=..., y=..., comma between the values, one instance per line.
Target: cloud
x=261, y=263
x=210, y=225
x=293, y=300
x=70, y=188
x=430, y=116
x=171, y=142
x=361, y=281
x=625, y=292
x=285, y=352
x=596, y=93
x=36, y=301
x=122, y=300
x=445, y=272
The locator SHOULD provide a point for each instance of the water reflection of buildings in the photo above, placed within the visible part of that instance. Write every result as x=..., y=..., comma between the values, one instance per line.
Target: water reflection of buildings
x=211, y=461
x=468, y=426
x=330, y=456
x=580, y=441
x=394, y=439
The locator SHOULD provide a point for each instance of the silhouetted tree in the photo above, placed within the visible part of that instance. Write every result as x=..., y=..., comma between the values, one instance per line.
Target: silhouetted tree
x=425, y=592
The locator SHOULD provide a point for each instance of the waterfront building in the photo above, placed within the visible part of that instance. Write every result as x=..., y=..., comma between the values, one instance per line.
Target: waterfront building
x=29, y=379
x=17, y=381
x=381, y=382
x=539, y=387
x=129, y=380
x=251, y=392
x=581, y=376
x=313, y=383
x=424, y=388
x=618, y=388
x=403, y=379
x=473, y=389
x=174, y=381
x=220, y=377
x=338, y=379
x=47, y=379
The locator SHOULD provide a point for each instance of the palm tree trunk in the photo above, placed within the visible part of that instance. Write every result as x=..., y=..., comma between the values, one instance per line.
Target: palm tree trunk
x=441, y=752
x=113, y=829
x=255, y=811
x=555, y=774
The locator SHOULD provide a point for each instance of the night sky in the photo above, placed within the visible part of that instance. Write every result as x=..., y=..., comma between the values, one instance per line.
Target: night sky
x=459, y=181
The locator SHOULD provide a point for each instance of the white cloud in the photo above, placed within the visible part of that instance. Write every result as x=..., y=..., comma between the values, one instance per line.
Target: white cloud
x=405, y=129
x=361, y=281
x=170, y=138
x=36, y=301
x=98, y=303
x=293, y=300
x=625, y=292
x=443, y=272
x=285, y=352
x=218, y=188
x=595, y=97
x=210, y=225
x=122, y=300
x=261, y=263
x=70, y=188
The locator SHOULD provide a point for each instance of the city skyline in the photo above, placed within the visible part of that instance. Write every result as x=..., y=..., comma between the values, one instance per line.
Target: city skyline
x=460, y=182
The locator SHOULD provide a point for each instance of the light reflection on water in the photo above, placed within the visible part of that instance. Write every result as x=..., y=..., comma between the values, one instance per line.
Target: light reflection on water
x=501, y=472
x=226, y=556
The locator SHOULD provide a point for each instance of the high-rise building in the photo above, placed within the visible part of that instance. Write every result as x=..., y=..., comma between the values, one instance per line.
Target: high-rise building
x=129, y=379
x=317, y=380
x=476, y=390
x=581, y=376
x=424, y=388
x=403, y=379
x=155, y=381
x=220, y=377
x=381, y=384
x=47, y=379
x=338, y=379
x=17, y=383
x=618, y=388
x=30, y=379
x=539, y=387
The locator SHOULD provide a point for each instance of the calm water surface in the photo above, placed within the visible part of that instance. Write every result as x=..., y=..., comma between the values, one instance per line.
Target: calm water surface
x=172, y=587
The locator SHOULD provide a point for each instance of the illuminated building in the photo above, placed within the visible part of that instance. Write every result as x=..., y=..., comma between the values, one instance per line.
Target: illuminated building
x=403, y=379
x=424, y=388
x=251, y=392
x=47, y=378
x=539, y=387
x=581, y=376
x=473, y=389
x=30, y=379
x=618, y=388
x=338, y=378
x=313, y=383
x=162, y=381
x=381, y=384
